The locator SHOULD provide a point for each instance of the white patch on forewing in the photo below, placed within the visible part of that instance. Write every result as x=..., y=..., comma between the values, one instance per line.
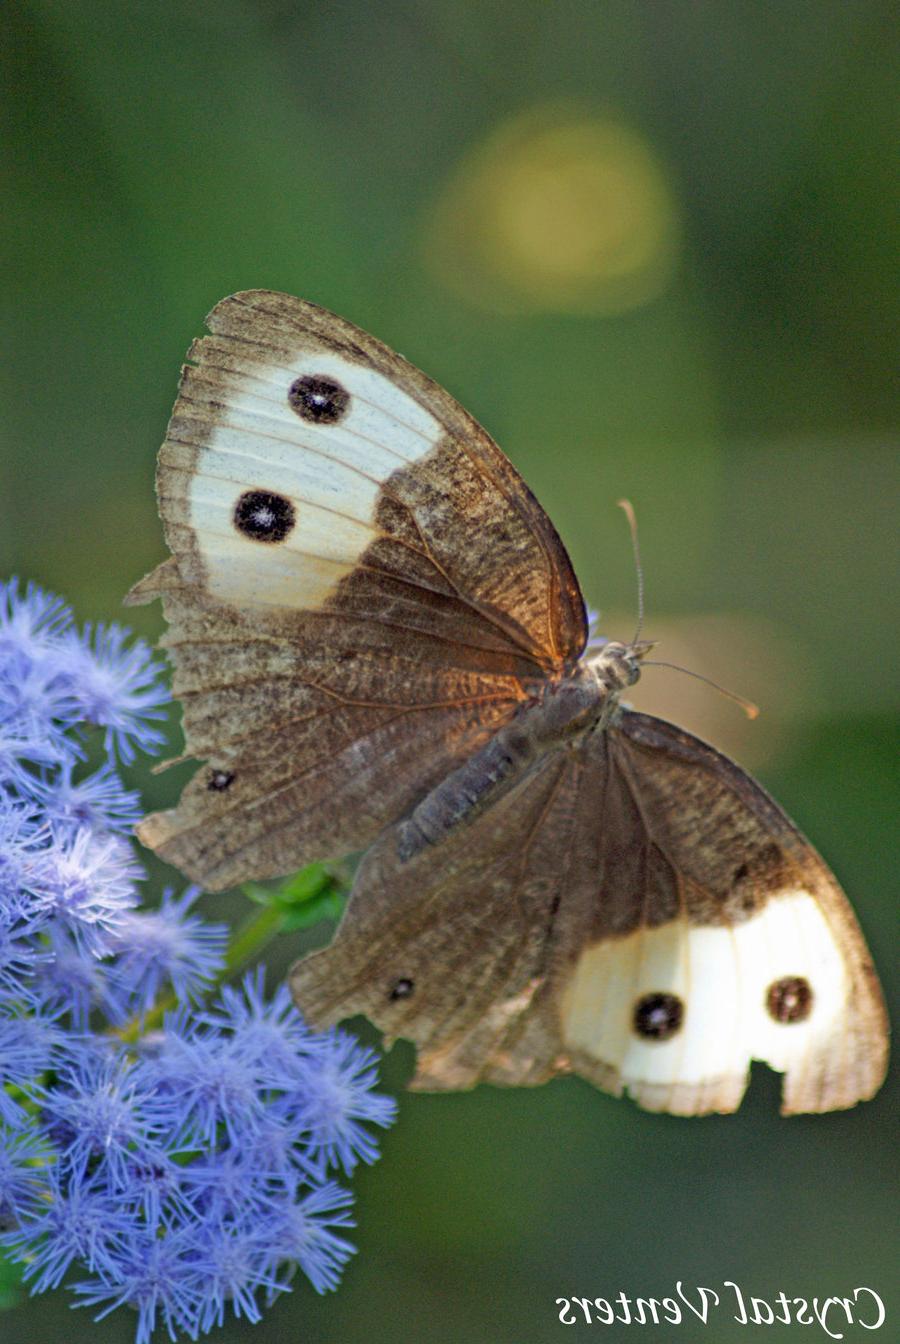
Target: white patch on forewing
x=330, y=473
x=722, y=975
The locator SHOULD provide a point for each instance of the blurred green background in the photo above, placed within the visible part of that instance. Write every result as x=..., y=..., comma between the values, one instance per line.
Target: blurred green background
x=653, y=247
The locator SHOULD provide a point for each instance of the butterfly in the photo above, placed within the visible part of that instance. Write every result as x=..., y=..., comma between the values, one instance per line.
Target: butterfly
x=379, y=644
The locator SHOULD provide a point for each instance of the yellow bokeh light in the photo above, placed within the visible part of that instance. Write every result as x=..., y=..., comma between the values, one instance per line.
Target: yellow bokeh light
x=558, y=211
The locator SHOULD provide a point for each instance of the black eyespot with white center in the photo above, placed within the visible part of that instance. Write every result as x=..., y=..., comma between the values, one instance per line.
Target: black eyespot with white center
x=262, y=516
x=219, y=780
x=318, y=399
x=657, y=1017
x=401, y=989
x=789, y=999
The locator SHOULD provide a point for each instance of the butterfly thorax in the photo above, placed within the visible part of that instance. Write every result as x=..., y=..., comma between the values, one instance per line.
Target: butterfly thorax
x=560, y=713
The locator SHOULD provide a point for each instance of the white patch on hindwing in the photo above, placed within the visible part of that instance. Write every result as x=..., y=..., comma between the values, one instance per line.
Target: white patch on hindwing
x=721, y=975
x=330, y=472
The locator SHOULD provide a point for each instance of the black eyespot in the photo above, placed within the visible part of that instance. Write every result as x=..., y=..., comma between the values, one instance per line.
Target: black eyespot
x=263, y=516
x=740, y=874
x=219, y=780
x=789, y=999
x=401, y=989
x=318, y=399
x=657, y=1017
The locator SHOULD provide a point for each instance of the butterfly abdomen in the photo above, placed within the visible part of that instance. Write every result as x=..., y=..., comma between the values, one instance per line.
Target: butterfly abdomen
x=564, y=711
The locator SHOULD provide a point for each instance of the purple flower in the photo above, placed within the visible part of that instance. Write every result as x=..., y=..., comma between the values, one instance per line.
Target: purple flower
x=186, y=1178
x=280, y=1146
x=186, y=1172
x=235, y=1261
x=304, y=1236
x=21, y=744
x=31, y=622
x=29, y=1045
x=335, y=1097
x=21, y=950
x=36, y=699
x=270, y=1034
x=22, y=835
x=72, y=980
x=211, y=1086
x=228, y=1183
x=150, y=1274
x=98, y=801
x=595, y=641
x=101, y=1111
x=116, y=686
x=79, y=1221
x=155, y=1188
x=157, y=948
x=23, y=1174
x=86, y=882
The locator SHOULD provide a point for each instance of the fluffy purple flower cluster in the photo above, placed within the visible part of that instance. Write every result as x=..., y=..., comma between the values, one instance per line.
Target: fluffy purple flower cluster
x=184, y=1171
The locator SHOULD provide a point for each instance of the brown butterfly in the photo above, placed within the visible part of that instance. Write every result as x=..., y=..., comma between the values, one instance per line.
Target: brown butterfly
x=379, y=644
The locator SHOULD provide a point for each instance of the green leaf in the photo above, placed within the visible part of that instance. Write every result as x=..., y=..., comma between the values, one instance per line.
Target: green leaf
x=305, y=885
x=303, y=898
x=261, y=895
x=329, y=904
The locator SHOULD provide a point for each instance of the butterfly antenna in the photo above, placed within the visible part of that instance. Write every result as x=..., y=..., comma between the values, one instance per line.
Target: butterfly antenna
x=626, y=506
x=749, y=708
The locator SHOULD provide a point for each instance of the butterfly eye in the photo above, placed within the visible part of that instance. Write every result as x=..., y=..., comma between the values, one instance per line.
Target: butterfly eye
x=401, y=989
x=320, y=400
x=219, y=780
x=657, y=1017
x=789, y=999
x=263, y=516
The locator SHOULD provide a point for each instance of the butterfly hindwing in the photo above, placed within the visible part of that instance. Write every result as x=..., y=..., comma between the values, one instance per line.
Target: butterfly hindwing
x=356, y=568
x=579, y=926
x=455, y=948
x=765, y=956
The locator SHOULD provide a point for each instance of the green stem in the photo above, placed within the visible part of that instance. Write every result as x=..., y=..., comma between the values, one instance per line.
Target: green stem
x=253, y=934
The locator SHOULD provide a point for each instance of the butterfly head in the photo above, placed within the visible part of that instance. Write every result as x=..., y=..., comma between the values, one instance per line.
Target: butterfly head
x=618, y=666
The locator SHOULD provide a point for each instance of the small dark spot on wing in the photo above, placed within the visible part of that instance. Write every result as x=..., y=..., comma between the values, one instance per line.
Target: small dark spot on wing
x=265, y=517
x=789, y=999
x=658, y=1016
x=318, y=399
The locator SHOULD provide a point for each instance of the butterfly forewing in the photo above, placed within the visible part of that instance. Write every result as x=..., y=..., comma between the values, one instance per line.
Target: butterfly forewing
x=357, y=569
